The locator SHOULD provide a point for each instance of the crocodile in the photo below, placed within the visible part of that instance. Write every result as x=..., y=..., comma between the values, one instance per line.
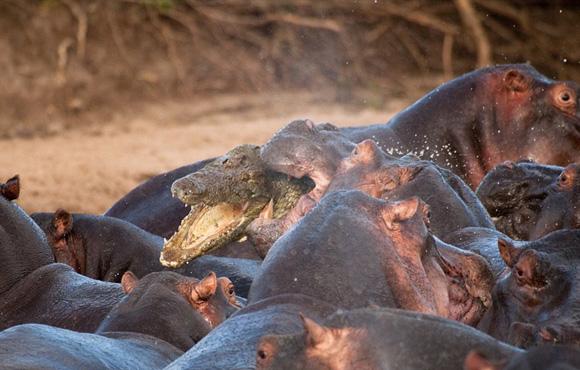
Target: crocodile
x=225, y=197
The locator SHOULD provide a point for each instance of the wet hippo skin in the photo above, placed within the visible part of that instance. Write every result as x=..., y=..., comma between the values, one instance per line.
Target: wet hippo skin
x=485, y=117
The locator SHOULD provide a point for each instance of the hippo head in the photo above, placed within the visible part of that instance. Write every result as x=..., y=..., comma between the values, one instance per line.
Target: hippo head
x=302, y=148
x=369, y=169
x=318, y=347
x=561, y=208
x=540, y=292
x=67, y=246
x=167, y=305
x=528, y=115
x=23, y=245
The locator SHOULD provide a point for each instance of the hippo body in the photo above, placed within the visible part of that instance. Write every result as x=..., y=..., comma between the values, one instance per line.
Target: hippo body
x=350, y=242
x=56, y=295
x=152, y=325
x=23, y=245
x=483, y=118
x=497, y=120
x=109, y=247
x=377, y=339
x=48, y=347
x=232, y=345
x=538, y=300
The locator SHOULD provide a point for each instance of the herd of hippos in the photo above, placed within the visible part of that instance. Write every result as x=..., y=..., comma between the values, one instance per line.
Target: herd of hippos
x=447, y=238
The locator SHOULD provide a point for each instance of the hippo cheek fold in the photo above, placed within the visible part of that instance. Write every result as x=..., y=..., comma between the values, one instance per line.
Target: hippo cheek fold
x=439, y=286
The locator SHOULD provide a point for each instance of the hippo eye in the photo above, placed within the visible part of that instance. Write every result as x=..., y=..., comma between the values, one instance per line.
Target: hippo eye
x=566, y=99
x=519, y=273
x=231, y=290
x=262, y=354
x=225, y=160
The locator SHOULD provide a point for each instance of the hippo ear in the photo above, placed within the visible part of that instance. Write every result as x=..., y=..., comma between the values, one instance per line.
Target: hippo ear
x=11, y=190
x=205, y=288
x=129, y=282
x=62, y=222
x=477, y=361
x=515, y=80
x=508, y=251
x=316, y=335
x=521, y=334
x=400, y=211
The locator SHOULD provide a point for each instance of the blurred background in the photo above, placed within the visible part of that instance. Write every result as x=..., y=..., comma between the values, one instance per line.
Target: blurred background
x=99, y=95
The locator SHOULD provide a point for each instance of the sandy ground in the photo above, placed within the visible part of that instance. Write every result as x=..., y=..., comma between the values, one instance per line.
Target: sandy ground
x=87, y=169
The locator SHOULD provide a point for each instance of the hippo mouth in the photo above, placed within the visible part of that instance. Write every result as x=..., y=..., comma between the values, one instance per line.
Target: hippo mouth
x=469, y=297
x=206, y=228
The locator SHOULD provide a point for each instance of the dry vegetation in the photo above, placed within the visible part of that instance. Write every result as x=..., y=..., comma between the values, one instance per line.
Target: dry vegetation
x=72, y=61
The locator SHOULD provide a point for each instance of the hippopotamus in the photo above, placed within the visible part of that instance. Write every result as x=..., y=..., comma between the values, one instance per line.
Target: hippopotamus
x=530, y=200
x=537, y=301
x=452, y=204
x=104, y=248
x=351, y=241
x=232, y=345
x=155, y=323
x=512, y=193
x=377, y=339
x=483, y=118
x=482, y=241
x=507, y=112
x=545, y=357
x=23, y=245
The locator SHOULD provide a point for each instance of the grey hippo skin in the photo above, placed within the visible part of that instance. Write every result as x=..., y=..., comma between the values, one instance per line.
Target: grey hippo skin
x=467, y=125
x=538, y=300
x=377, y=339
x=104, y=248
x=353, y=251
x=153, y=325
x=545, y=357
x=483, y=118
x=233, y=344
x=530, y=200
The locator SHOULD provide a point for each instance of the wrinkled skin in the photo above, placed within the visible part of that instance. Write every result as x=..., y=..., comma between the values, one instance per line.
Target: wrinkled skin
x=538, y=300
x=150, y=327
x=546, y=357
x=23, y=246
x=227, y=195
x=177, y=309
x=109, y=247
x=232, y=345
x=452, y=204
x=513, y=194
x=483, y=118
x=351, y=242
x=373, y=339
x=531, y=200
